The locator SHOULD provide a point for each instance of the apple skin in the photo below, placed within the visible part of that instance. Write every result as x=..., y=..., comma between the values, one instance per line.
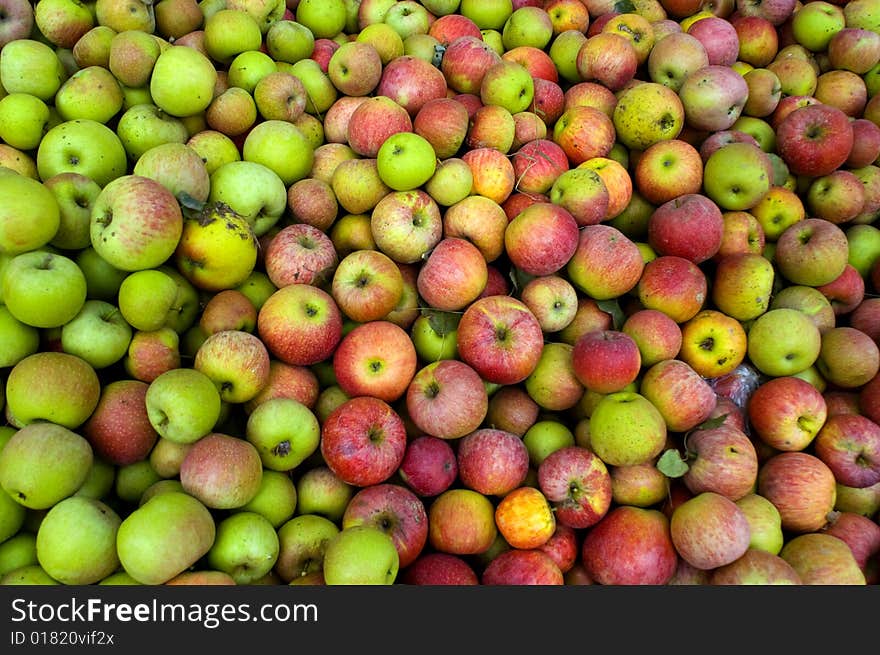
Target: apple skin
x=578, y=485
x=411, y=82
x=300, y=254
x=429, y=466
x=236, y=361
x=447, y=399
x=395, y=510
x=849, y=444
x=722, y=460
x=453, y=275
x=689, y=226
x=606, y=263
x=605, y=361
x=377, y=359
x=300, y=324
x=674, y=285
x=439, y=569
x=500, y=338
x=461, y=522
x=522, y=567
x=363, y=441
x=819, y=242
x=668, y=383
x=713, y=97
x=802, y=488
x=492, y=462
x=119, y=429
x=709, y=530
x=541, y=239
x=630, y=546
x=222, y=471
x=814, y=140
x=786, y=412
x=822, y=559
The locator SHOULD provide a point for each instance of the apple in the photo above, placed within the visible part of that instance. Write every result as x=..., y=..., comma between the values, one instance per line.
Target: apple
x=713, y=97
x=606, y=361
x=722, y=460
x=668, y=169
x=578, y=485
x=361, y=555
x=674, y=285
x=492, y=462
x=461, y=521
x=859, y=532
x=681, y=395
x=443, y=122
x=552, y=299
x=802, y=488
x=222, y=471
x=363, y=441
x=822, y=559
x=396, y=511
x=465, y=62
x=673, y=226
x=709, y=530
x=25, y=120
x=151, y=353
x=43, y=290
x=315, y=333
x=786, y=412
x=626, y=429
x=18, y=23
x=236, y=361
x=756, y=567
x=657, y=336
x=607, y=58
x=848, y=358
x=847, y=444
x=98, y=334
x=406, y=225
x=300, y=254
x=69, y=146
x=584, y=132
x=480, y=220
x=434, y=568
x=44, y=463
x=446, y=399
x=605, y=264
x=31, y=66
x=815, y=139
x=783, y=341
x=375, y=120
x=630, y=546
x=429, y=465
x=512, y=409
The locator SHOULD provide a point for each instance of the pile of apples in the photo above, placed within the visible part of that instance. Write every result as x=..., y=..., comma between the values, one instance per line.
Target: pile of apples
x=441, y=292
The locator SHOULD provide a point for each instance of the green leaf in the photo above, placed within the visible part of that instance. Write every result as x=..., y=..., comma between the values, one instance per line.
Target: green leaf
x=671, y=464
x=612, y=306
x=624, y=7
x=712, y=423
x=441, y=322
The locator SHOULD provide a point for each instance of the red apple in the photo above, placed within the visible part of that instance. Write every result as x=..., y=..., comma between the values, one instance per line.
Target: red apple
x=721, y=459
x=814, y=140
x=300, y=254
x=118, y=429
x=689, y=226
x=709, y=530
x=439, y=568
x=679, y=393
x=849, y=444
x=786, y=412
x=578, y=485
x=522, y=567
x=606, y=263
x=605, y=361
x=452, y=275
x=411, y=82
x=363, y=441
x=300, y=324
x=447, y=399
x=802, y=488
x=491, y=461
x=429, y=466
x=541, y=239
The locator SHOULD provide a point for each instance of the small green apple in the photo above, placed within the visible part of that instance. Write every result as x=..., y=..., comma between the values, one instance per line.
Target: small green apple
x=183, y=405
x=405, y=161
x=98, y=333
x=246, y=547
x=361, y=555
x=29, y=216
x=284, y=431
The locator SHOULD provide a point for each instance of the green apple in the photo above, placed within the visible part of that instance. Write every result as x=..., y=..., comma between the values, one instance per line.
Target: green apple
x=31, y=66
x=563, y=52
x=44, y=463
x=147, y=298
x=19, y=550
x=814, y=27
x=783, y=341
x=229, y=32
x=405, y=161
x=764, y=521
x=82, y=146
x=17, y=340
x=145, y=126
x=160, y=487
x=132, y=480
x=744, y=285
x=646, y=114
x=527, y=26
x=29, y=216
x=164, y=537
x=102, y=278
x=487, y=14
x=76, y=542
x=737, y=176
x=166, y=456
x=360, y=555
x=864, y=247
x=626, y=428
x=302, y=543
x=32, y=574
x=321, y=92
x=289, y=41
x=275, y=500
x=544, y=437
x=252, y=190
x=248, y=68
x=435, y=336
x=257, y=288
x=246, y=547
x=43, y=289
x=12, y=515
x=214, y=148
x=508, y=84
x=187, y=305
x=281, y=147
x=284, y=431
x=92, y=93
x=24, y=118
x=100, y=480
x=320, y=491
x=183, y=405
x=183, y=81
x=99, y=334
x=451, y=182
x=75, y=194
x=324, y=18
